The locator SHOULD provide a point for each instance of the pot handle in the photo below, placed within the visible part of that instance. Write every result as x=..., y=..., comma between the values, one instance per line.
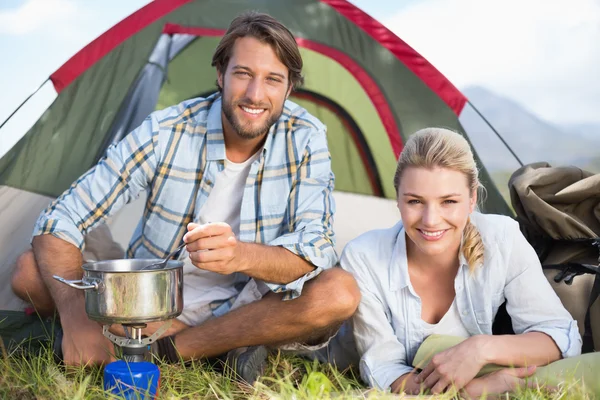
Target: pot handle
x=78, y=284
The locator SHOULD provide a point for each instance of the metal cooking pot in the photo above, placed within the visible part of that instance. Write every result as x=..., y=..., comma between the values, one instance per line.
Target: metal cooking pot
x=117, y=292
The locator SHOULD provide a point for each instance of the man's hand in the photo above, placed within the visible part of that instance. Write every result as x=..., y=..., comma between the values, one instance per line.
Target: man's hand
x=213, y=247
x=84, y=344
x=455, y=367
x=505, y=380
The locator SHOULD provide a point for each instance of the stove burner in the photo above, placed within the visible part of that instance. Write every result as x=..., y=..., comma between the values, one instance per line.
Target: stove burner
x=133, y=345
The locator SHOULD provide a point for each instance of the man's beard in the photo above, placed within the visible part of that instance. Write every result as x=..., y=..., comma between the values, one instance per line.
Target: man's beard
x=248, y=131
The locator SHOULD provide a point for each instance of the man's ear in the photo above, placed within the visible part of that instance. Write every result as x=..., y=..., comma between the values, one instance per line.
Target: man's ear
x=289, y=91
x=220, y=79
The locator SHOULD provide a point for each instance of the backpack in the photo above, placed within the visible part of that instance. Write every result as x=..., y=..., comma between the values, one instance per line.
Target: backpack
x=558, y=210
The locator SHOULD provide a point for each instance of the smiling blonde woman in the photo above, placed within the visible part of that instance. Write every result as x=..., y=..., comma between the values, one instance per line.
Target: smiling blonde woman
x=444, y=269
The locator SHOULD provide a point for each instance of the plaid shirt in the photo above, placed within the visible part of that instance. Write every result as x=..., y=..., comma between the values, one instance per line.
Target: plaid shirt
x=175, y=156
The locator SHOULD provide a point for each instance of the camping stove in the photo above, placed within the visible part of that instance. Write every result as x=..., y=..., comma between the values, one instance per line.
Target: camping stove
x=133, y=377
x=133, y=346
x=122, y=292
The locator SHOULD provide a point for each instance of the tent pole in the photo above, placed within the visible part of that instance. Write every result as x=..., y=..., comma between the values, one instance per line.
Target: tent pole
x=23, y=103
x=496, y=132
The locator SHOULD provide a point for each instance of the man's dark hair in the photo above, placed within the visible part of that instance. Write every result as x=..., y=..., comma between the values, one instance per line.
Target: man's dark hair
x=268, y=30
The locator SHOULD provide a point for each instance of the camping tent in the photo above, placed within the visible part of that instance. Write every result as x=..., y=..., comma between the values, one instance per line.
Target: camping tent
x=370, y=88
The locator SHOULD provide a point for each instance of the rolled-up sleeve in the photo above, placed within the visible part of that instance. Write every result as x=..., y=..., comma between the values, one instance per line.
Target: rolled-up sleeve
x=118, y=178
x=532, y=303
x=309, y=214
x=383, y=357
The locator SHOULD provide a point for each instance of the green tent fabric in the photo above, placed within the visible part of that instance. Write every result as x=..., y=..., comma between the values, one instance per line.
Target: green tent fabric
x=370, y=88
x=351, y=60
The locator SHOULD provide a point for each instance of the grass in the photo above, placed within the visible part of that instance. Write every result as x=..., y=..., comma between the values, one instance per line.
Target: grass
x=26, y=376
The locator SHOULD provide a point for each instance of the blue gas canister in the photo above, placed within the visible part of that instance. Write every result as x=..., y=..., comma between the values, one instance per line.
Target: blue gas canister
x=132, y=380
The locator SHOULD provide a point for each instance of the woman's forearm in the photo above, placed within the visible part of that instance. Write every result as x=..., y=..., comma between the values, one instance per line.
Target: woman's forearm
x=532, y=348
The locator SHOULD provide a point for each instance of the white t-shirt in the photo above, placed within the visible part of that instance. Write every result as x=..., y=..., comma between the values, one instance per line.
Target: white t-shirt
x=223, y=205
x=450, y=324
x=225, y=200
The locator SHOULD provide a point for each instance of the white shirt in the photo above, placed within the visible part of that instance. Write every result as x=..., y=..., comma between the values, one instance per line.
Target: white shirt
x=224, y=203
x=225, y=200
x=387, y=325
x=450, y=324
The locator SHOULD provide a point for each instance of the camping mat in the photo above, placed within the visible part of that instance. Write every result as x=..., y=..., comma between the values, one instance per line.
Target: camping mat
x=584, y=367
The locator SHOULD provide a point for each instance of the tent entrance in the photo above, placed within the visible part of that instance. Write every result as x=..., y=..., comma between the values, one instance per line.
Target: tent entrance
x=358, y=141
x=347, y=144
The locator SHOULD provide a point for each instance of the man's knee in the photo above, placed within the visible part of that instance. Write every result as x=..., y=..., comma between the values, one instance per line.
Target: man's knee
x=345, y=291
x=338, y=294
x=23, y=274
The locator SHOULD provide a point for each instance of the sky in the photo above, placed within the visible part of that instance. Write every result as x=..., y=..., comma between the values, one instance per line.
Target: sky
x=541, y=53
x=545, y=54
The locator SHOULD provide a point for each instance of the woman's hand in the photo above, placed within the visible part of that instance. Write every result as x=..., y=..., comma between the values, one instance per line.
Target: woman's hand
x=505, y=380
x=455, y=367
x=406, y=384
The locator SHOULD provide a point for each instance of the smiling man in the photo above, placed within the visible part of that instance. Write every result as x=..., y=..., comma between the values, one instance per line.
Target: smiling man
x=244, y=178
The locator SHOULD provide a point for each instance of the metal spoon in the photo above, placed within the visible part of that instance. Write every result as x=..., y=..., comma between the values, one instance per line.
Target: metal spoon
x=163, y=263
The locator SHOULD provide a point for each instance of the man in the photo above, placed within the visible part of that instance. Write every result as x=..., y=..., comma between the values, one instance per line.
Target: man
x=243, y=177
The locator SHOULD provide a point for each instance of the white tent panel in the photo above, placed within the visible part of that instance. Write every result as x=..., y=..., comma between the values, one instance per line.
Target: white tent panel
x=20, y=210
x=355, y=215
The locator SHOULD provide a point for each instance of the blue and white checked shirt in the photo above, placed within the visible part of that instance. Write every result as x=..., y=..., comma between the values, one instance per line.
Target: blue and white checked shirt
x=175, y=155
x=387, y=325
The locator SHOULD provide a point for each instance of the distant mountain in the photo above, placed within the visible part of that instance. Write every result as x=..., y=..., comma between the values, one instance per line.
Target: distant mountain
x=589, y=130
x=531, y=138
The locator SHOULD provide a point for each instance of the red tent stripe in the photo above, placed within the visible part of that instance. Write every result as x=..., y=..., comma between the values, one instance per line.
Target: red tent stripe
x=403, y=52
x=171, y=29
x=364, y=79
x=368, y=84
x=148, y=14
x=110, y=39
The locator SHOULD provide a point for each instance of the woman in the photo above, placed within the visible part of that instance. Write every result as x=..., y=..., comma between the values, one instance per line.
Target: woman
x=445, y=269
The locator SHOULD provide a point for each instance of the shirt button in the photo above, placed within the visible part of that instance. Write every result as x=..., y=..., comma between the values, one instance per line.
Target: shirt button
x=465, y=313
x=459, y=287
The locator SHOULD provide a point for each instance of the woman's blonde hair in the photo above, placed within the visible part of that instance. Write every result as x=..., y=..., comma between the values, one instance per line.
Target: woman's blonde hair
x=443, y=148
